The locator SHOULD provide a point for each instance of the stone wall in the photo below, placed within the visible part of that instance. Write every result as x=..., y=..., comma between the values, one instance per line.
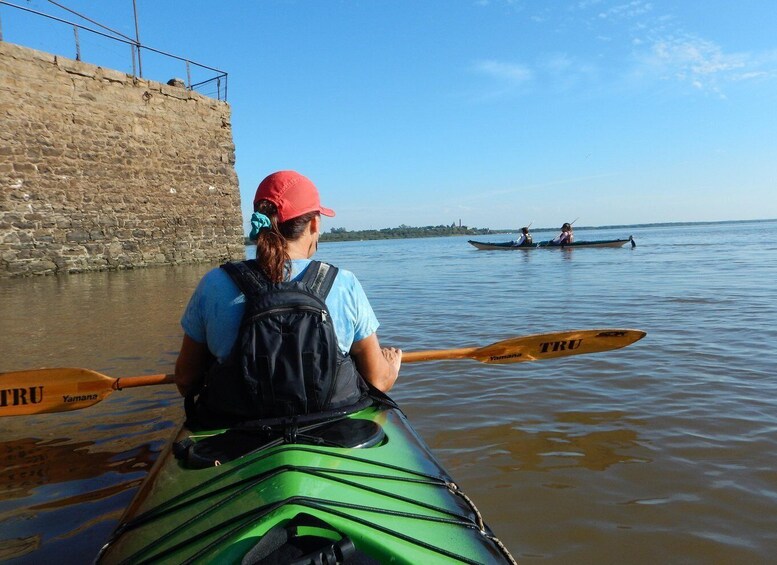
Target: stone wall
x=101, y=170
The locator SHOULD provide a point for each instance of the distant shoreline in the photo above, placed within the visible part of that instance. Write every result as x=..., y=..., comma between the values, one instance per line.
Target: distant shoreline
x=407, y=232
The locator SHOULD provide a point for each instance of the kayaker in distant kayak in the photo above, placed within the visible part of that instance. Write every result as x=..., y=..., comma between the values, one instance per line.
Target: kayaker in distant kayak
x=566, y=236
x=286, y=225
x=524, y=239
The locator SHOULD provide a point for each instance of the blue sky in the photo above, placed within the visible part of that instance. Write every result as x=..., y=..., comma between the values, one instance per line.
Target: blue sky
x=497, y=113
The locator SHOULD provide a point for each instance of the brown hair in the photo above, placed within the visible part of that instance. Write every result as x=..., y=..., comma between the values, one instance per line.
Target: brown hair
x=271, y=254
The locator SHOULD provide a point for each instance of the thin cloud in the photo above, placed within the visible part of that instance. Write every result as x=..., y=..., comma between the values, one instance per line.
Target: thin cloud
x=629, y=10
x=506, y=78
x=585, y=4
x=751, y=75
x=510, y=73
x=698, y=62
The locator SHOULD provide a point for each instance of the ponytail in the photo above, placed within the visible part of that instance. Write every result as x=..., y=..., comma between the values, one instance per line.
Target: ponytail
x=271, y=253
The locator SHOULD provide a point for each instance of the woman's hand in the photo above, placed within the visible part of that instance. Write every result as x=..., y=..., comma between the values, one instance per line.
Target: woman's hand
x=393, y=357
x=378, y=366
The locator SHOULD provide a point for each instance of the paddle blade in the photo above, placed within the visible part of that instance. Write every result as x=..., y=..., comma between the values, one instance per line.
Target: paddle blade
x=60, y=390
x=534, y=347
x=51, y=390
x=559, y=344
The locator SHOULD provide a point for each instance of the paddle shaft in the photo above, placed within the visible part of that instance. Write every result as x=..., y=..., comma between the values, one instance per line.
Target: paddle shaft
x=143, y=380
x=437, y=354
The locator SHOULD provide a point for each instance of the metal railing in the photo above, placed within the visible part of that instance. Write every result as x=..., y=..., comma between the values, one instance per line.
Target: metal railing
x=213, y=82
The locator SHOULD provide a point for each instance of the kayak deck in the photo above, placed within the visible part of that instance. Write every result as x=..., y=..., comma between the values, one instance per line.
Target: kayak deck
x=393, y=501
x=508, y=245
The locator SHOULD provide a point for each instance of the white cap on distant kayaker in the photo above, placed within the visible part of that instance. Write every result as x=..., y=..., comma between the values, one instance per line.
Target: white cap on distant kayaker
x=293, y=195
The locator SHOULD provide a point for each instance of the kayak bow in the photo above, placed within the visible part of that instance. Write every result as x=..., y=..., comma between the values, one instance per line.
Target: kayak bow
x=385, y=498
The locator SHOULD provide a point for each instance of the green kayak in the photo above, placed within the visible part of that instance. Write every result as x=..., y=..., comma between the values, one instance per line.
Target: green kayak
x=362, y=488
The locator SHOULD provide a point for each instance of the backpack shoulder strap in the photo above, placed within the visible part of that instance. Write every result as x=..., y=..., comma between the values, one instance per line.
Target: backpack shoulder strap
x=247, y=276
x=320, y=277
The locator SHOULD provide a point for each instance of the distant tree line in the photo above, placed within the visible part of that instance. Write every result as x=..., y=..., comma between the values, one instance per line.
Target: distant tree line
x=401, y=232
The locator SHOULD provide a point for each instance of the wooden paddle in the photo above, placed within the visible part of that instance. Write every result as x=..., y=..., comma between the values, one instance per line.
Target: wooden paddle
x=64, y=389
x=534, y=347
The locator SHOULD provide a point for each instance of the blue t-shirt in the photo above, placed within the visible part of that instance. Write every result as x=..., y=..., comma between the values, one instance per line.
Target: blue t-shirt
x=216, y=308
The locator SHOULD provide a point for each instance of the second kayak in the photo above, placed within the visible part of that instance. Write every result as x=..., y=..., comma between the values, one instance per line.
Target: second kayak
x=508, y=245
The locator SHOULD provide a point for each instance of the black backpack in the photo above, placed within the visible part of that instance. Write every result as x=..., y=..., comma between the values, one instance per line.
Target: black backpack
x=285, y=362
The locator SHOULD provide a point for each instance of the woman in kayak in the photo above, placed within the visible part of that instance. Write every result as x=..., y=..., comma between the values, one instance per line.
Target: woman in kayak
x=286, y=225
x=525, y=238
x=566, y=236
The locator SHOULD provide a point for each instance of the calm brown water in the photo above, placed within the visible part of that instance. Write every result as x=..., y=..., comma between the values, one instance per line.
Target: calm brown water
x=663, y=452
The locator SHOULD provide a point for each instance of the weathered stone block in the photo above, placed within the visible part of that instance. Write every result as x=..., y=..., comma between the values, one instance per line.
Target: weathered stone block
x=42, y=267
x=77, y=236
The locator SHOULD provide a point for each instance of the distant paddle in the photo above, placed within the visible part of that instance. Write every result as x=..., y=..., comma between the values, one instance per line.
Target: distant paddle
x=41, y=391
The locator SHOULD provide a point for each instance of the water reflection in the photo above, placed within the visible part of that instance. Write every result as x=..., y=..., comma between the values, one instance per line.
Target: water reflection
x=18, y=547
x=31, y=462
x=46, y=486
x=516, y=447
x=110, y=315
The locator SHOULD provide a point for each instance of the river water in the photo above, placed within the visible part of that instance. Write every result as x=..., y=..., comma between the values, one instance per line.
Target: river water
x=662, y=452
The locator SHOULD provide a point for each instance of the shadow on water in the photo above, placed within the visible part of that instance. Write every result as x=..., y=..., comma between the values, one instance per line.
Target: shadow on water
x=515, y=447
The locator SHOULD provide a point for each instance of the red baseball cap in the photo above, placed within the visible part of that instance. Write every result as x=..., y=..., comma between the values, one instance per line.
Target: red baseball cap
x=292, y=193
